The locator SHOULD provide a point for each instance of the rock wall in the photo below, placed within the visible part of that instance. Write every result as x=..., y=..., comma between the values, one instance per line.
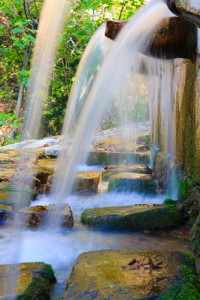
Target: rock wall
x=185, y=120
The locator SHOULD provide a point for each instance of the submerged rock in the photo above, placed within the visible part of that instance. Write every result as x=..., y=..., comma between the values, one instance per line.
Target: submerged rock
x=136, y=218
x=132, y=182
x=5, y=213
x=133, y=274
x=36, y=216
x=112, y=170
x=34, y=281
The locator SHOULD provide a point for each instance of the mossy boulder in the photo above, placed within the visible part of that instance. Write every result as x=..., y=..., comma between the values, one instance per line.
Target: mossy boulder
x=39, y=215
x=132, y=182
x=195, y=236
x=135, y=218
x=5, y=213
x=133, y=274
x=34, y=281
x=112, y=170
x=189, y=205
x=111, y=158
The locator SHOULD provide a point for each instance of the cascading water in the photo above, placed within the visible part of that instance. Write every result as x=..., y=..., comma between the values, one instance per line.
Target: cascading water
x=119, y=67
x=123, y=55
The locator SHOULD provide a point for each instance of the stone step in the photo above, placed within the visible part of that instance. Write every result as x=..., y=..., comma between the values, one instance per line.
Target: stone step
x=85, y=182
x=114, y=169
x=34, y=281
x=39, y=215
x=135, y=218
x=133, y=274
x=112, y=158
x=132, y=182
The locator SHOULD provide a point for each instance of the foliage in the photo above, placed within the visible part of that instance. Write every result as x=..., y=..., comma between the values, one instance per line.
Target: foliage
x=7, y=121
x=18, y=27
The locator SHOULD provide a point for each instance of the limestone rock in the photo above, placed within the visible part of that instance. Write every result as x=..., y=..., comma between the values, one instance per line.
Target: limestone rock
x=34, y=280
x=36, y=216
x=135, y=218
x=132, y=182
x=5, y=213
x=87, y=182
x=111, y=158
x=133, y=274
x=111, y=170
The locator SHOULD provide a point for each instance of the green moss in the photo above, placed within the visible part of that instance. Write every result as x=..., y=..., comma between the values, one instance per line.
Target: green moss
x=40, y=286
x=134, y=218
x=169, y=202
x=113, y=158
x=141, y=185
x=44, y=169
x=195, y=236
x=187, y=286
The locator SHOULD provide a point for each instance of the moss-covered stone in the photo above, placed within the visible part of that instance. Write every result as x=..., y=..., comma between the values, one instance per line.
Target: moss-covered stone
x=133, y=274
x=135, y=218
x=132, y=182
x=112, y=170
x=195, y=236
x=34, y=280
x=36, y=216
x=112, y=158
x=189, y=205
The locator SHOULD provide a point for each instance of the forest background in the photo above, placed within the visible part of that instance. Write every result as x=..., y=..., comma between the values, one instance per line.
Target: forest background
x=18, y=28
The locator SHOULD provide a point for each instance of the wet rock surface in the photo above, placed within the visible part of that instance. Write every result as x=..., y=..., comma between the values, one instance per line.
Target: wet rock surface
x=135, y=218
x=5, y=213
x=132, y=182
x=39, y=215
x=33, y=282
x=86, y=182
x=133, y=274
x=114, y=169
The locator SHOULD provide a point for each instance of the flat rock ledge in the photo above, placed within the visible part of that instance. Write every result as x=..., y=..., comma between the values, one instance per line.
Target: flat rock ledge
x=86, y=182
x=132, y=182
x=34, y=281
x=133, y=275
x=111, y=158
x=39, y=215
x=136, y=218
x=114, y=169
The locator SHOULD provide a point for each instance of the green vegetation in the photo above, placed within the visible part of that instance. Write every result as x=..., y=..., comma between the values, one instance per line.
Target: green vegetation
x=18, y=26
